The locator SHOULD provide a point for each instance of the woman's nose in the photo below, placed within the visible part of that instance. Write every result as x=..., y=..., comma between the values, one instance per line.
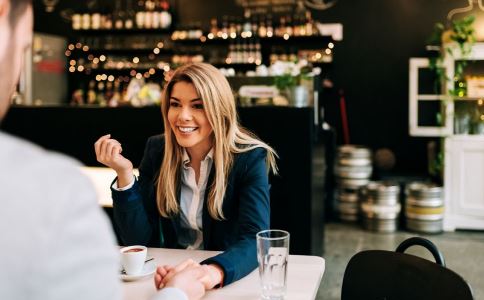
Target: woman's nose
x=185, y=114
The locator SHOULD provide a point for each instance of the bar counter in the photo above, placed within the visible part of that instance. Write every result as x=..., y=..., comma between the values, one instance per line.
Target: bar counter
x=289, y=130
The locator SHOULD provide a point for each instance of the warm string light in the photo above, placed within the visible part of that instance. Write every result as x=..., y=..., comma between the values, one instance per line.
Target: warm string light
x=94, y=62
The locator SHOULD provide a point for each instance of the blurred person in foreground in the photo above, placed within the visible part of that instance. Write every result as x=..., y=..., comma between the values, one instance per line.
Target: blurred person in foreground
x=55, y=241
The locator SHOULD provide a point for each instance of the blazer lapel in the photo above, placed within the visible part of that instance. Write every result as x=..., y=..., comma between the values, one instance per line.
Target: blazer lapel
x=206, y=219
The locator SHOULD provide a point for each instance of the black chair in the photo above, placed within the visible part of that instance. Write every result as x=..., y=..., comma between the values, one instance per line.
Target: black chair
x=387, y=275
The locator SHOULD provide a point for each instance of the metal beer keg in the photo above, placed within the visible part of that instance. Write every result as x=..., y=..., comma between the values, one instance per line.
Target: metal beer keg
x=380, y=206
x=424, y=208
x=352, y=170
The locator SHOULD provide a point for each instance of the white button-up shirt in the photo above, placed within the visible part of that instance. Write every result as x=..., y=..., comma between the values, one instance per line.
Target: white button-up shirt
x=191, y=201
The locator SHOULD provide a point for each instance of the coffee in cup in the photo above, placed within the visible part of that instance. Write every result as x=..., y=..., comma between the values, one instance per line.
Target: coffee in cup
x=133, y=259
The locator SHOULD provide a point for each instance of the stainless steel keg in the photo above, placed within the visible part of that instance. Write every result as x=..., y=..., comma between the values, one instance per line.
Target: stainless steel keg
x=380, y=206
x=353, y=168
x=424, y=207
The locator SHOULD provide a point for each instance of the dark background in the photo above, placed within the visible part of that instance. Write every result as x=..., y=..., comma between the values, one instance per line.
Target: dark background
x=370, y=64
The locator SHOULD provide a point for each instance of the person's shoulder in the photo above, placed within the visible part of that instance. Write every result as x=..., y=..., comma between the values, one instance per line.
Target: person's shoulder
x=246, y=158
x=253, y=153
x=157, y=139
x=155, y=145
x=19, y=152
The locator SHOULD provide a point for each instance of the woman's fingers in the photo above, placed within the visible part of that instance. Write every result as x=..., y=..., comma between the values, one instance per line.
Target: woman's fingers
x=112, y=146
x=107, y=150
x=157, y=280
x=97, y=144
x=178, y=268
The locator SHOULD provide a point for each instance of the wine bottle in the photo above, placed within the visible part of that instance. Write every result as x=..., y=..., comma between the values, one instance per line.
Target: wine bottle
x=130, y=15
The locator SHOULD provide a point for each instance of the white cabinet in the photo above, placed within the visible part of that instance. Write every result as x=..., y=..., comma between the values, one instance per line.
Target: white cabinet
x=464, y=154
x=464, y=182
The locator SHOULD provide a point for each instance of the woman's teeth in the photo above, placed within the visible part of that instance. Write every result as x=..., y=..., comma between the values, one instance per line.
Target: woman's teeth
x=187, y=129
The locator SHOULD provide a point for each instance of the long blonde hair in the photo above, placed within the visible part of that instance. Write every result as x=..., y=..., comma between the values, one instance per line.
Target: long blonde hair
x=229, y=138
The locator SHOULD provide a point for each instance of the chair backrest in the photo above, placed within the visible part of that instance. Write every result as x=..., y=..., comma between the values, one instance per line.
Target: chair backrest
x=387, y=275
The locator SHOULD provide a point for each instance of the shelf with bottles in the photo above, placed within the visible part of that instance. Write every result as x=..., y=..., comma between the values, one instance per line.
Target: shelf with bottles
x=146, y=17
x=114, y=91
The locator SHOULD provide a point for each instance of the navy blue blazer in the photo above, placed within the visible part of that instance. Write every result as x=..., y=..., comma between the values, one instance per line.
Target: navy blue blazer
x=246, y=209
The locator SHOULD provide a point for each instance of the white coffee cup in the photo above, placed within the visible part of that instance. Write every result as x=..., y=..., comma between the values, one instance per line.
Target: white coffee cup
x=133, y=259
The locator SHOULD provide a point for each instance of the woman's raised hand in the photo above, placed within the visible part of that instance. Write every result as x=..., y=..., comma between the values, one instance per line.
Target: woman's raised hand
x=108, y=152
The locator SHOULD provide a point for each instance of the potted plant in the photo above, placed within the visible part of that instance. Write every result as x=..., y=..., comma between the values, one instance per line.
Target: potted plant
x=290, y=79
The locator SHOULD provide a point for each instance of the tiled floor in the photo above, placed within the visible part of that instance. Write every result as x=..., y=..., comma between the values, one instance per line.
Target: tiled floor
x=463, y=253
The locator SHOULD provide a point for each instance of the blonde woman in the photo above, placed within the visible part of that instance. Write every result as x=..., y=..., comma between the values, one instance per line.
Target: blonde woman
x=202, y=185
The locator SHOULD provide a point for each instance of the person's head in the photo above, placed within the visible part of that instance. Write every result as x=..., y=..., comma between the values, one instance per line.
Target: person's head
x=16, y=24
x=198, y=109
x=198, y=98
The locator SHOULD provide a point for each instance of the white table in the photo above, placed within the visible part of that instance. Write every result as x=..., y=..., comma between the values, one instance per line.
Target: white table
x=304, y=276
x=102, y=178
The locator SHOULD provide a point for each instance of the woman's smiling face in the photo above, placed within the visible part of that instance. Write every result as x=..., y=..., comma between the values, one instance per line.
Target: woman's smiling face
x=188, y=120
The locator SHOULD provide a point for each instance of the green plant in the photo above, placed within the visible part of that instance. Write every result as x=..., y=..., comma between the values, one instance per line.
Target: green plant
x=462, y=33
x=290, y=74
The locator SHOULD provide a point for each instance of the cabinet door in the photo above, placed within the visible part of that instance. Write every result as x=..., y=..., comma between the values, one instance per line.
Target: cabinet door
x=417, y=98
x=464, y=177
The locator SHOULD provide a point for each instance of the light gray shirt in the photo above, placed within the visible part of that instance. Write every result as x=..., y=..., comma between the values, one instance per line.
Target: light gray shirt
x=55, y=241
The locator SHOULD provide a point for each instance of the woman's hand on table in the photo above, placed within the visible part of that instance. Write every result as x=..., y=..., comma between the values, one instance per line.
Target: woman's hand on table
x=108, y=152
x=187, y=280
x=212, y=274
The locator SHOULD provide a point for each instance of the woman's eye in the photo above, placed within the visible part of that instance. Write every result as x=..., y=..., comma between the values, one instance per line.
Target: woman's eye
x=174, y=104
x=198, y=106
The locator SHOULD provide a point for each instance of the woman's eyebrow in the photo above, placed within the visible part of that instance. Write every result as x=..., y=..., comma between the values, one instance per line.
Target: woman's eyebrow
x=193, y=100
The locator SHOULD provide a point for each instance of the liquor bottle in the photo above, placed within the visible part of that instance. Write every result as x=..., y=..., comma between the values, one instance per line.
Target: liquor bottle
x=299, y=26
x=100, y=94
x=281, y=29
x=116, y=98
x=96, y=21
x=165, y=15
x=247, y=27
x=91, y=93
x=213, y=29
x=130, y=15
x=148, y=14
x=156, y=14
x=270, y=27
x=118, y=16
x=262, y=32
x=106, y=18
x=310, y=27
x=86, y=21
x=108, y=95
x=288, y=30
x=233, y=28
x=231, y=54
x=76, y=21
x=140, y=15
x=254, y=26
x=258, y=53
x=251, y=52
x=225, y=28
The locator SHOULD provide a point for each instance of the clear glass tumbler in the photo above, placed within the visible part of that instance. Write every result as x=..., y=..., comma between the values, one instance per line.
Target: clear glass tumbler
x=273, y=254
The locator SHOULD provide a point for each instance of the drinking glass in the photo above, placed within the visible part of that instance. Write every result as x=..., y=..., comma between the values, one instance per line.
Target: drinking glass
x=272, y=255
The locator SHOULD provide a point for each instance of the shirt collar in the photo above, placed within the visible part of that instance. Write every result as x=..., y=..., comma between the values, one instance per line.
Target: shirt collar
x=186, y=158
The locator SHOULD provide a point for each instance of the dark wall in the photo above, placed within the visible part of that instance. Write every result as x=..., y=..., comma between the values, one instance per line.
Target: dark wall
x=370, y=64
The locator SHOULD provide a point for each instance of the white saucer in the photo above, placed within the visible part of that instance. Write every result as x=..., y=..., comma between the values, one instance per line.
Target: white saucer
x=148, y=269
